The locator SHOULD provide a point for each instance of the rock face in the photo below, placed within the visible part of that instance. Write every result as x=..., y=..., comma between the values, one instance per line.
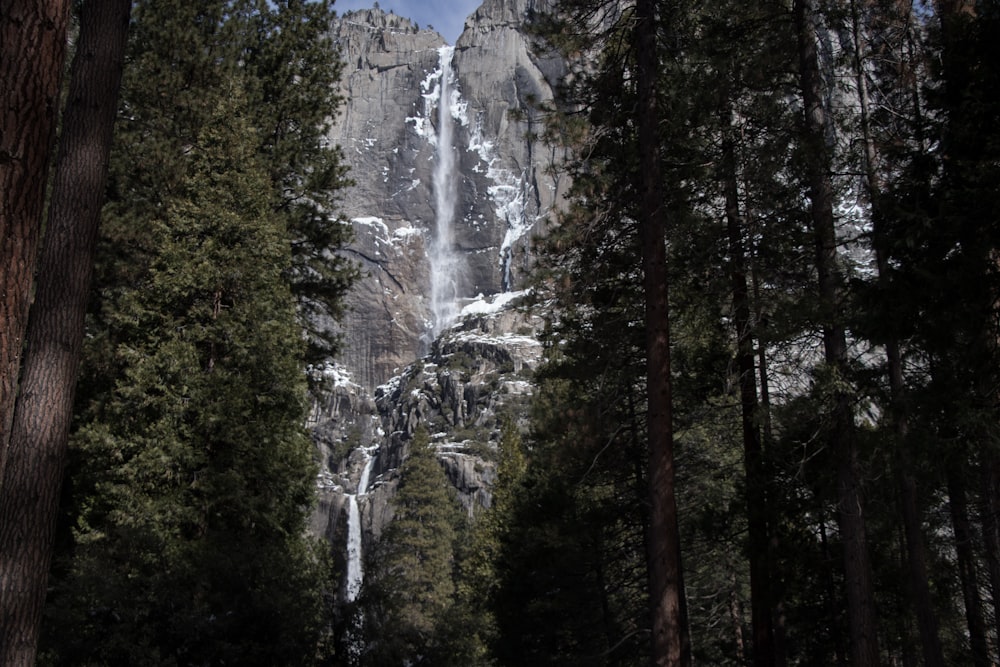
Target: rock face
x=478, y=372
x=388, y=129
x=401, y=365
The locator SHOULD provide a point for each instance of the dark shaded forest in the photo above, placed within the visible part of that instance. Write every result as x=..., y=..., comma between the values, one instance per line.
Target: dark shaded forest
x=767, y=428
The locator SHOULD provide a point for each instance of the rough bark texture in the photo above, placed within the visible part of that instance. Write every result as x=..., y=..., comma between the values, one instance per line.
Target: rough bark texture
x=29, y=498
x=850, y=515
x=32, y=50
x=669, y=624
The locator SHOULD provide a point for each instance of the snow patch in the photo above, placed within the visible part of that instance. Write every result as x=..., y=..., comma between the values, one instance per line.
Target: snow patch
x=372, y=221
x=494, y=304
x=508, y=195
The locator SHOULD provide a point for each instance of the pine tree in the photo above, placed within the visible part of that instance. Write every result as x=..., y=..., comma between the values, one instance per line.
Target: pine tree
x=410, y=583
x=191, y=472
x=292, y=74
x=197, y=473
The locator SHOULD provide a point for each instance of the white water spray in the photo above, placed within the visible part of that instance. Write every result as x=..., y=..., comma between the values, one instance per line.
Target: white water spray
x=355, y=575
x=355, y=572
x=443, y=259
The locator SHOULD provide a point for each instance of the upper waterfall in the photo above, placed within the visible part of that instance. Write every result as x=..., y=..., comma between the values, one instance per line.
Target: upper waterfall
x=444, y=260
x=453, y=177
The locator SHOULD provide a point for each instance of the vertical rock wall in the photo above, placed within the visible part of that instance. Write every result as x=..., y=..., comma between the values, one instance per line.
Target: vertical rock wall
x=387, y=131
x=393, y=374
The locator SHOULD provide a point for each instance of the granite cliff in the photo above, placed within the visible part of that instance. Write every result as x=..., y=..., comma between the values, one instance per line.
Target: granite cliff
x=389, y=129
x=452, y=184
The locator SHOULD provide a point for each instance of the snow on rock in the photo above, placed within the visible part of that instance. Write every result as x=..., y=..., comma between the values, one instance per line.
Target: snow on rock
x=488, y=305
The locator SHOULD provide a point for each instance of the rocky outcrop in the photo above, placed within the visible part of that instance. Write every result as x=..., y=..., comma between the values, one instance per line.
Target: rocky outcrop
x=477, y=373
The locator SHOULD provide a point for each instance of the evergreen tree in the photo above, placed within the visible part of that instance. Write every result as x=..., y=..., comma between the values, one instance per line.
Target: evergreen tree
x=293, y=74
x=410, y=582
x=191, y=472
x=471, y=628
x=196, y=472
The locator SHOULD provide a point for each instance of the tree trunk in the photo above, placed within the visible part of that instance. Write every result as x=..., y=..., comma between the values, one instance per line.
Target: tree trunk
x=967, y=568
x=850, y=516
x=32, y=50
x=756, y=482
x=669, y=640
x=991, y=533
x=916, y=550
x=29, y=496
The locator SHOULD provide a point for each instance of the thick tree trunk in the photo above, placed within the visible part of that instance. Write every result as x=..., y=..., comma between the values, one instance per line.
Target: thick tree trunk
x=669, y=641
x=32, y=50
x=850, y=515
x=29, y=495
x=761, y=606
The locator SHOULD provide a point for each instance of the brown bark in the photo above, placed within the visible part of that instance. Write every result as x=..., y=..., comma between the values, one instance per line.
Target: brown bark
x=29, y=496
x=32, y=51
x=850, y=515
x=669, y=640
x=756, y=482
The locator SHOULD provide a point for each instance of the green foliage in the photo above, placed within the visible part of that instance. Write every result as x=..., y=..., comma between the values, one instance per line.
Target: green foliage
x=409, y=585
x=195, y=471
x=293, y=72
x=191, y=474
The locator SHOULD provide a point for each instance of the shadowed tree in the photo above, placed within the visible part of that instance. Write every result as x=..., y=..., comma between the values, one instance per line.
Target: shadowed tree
x=30, y=480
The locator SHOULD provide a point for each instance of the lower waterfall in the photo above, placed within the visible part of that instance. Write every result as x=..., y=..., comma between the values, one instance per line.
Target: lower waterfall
x=355, y=570
x=355, y=573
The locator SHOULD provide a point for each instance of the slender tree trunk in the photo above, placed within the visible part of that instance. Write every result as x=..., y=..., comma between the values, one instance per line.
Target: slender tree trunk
x=761, y=605
x=962, y=527
x=966, y=144
x=828, y=574
x=916, y=558
x=32, y=51
x=669, y=640
x=764, y=407
x=851, y=519
x=991, y=534
x=29, y=496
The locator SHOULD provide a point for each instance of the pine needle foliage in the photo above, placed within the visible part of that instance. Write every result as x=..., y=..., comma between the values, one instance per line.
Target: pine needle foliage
x=191, y=475
x=410, y=584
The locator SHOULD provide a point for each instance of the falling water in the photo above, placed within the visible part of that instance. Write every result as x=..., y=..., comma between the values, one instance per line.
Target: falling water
x=355, y=575
x=443, y=259
x=355, y=572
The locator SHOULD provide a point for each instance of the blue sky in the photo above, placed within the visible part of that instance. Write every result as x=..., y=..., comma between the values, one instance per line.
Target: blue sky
x=447, y=16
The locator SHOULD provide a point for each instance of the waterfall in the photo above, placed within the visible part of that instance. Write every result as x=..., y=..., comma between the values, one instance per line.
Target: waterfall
x=355, y=575
x=443, y=259
x=355, y=572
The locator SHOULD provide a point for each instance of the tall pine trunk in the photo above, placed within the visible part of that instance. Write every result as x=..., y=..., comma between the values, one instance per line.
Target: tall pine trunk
x=916, y=550
x=669, y=641
x=962, y=526
x=31, y=480
x=32, y=50
x=850, y=515
x=756, y=481
x=969, y=202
